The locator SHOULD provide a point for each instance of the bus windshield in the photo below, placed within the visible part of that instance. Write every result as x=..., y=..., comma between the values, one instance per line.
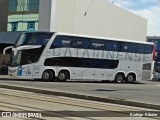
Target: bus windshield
x=33, y=39
x=24, y=57
x=15, y=59
x=31, y=55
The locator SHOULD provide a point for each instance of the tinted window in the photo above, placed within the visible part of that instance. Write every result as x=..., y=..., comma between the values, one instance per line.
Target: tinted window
x=127, y=47
x=139, y=48
x=14, y=26
x=77, y=42
x=97, y=44
x=36, y=39
x=31, y=55
x=110, y=64
x=147, y=66
x=86, y=43
x=148, y=49
x=112, y=46
x=82, y=62
x=31, y=26
x=61, y=41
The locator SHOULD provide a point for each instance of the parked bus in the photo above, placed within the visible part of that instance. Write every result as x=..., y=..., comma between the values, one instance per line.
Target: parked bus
x=62, y=56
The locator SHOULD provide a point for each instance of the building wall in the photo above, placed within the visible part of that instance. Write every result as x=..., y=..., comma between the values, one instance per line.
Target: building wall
x=45, y=14
x=3, y=15
x=102, y=19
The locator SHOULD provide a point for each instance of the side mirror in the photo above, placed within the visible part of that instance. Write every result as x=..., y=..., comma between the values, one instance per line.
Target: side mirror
x=7, y=48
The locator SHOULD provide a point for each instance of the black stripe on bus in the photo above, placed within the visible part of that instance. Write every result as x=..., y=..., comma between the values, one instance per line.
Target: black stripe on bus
x=82, y=62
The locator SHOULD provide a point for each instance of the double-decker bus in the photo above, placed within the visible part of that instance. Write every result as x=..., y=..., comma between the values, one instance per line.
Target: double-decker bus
x=61, y=56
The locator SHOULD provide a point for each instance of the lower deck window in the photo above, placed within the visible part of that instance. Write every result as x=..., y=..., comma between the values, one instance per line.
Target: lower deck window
x=82, y=62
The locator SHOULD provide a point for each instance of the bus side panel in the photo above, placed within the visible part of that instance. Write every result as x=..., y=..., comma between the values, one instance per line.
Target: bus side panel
x=109, y=74
x=89, y=73
x=83, y=73
x=77, y=73
x=100, y=74
x=132, y=67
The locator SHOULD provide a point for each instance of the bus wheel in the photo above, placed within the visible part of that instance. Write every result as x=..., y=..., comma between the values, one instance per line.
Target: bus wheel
x=47, y=75
x=62, y=76
x=131, y=78
x=119, y=78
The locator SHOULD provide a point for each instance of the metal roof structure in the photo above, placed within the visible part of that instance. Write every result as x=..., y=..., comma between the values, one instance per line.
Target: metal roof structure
x=153, y=37
x=9, y=37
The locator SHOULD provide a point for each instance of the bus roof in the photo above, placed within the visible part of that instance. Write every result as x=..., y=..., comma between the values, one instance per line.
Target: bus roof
x=88, y=36
x=107, y=38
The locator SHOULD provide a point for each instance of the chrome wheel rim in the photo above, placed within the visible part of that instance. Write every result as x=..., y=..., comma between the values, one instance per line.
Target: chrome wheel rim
x=130, y=78
x=62, y=76
x=46, y=76
x=119, y=78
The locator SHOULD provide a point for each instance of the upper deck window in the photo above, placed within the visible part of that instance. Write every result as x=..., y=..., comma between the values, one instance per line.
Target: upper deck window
x=148, y=49
x=61, y=41
x=37, y=39
x=97, y=44
x=112, y=45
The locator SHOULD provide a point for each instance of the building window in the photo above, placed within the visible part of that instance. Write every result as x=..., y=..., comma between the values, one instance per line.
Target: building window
x=12, y=5
x=22, y=5
x=33, y=5
x=31, y=26
x=14, y=26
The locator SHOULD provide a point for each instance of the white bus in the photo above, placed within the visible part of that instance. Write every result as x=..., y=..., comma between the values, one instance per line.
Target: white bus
x=61, y=56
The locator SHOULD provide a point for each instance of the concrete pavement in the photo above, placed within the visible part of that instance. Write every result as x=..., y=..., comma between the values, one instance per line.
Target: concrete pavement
x=50, y=107
x=5, y=77
x=78, y=95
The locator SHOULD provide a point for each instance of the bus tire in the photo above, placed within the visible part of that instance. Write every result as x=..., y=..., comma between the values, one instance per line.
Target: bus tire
x=119, y=78
x=47, y=75
x=131, y=78
x=62, y=76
